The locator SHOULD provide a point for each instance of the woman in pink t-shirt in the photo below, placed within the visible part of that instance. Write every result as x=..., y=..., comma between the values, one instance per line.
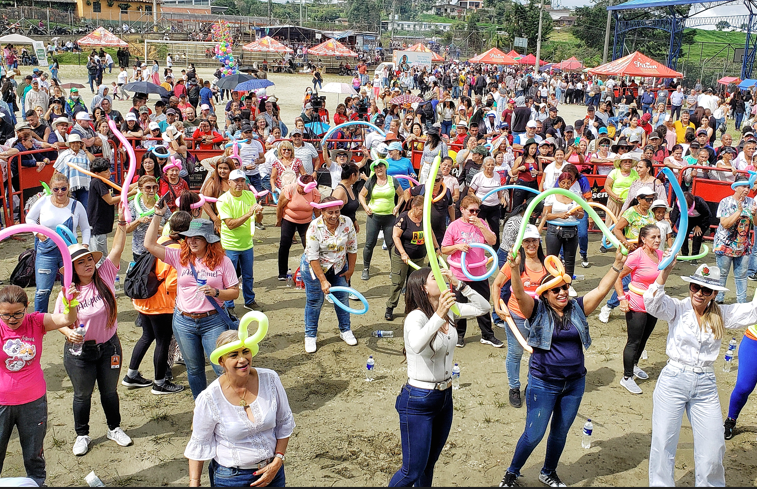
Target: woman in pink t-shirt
x=458, y=237
x=23, y=400
x=206, y=278
x=642, y=265
x=294, y=213
x=99, y=360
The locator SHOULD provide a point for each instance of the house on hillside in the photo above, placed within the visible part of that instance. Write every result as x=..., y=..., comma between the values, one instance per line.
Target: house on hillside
x=117, y=10
x=456, y=8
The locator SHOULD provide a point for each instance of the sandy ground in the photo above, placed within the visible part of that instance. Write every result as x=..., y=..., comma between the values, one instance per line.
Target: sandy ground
x=347, y=429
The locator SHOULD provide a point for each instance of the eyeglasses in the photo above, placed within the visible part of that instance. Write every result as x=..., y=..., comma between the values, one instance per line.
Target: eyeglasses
x=473, y=211
x=15, y=315
x=706, y=291
x=438, y=179
x=604, y=145
x=151, y=187
x=556, y=290
x=59, y=189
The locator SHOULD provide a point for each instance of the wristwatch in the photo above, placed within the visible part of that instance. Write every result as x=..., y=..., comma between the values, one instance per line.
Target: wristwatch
x=218, y=292
x=281, y=456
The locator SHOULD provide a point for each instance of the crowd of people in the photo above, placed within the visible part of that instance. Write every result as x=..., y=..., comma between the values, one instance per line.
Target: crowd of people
x=481, y=128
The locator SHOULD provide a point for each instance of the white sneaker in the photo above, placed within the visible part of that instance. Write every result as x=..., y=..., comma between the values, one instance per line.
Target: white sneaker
x=639, y=373
x=630, y=384
x=81, y=445
x=348, y=338
x=310, y=345
x=118, y=436
x=572, y=292
x=604, y=314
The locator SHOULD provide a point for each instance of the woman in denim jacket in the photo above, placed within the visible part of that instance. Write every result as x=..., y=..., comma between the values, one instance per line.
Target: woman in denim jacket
x=558, y=332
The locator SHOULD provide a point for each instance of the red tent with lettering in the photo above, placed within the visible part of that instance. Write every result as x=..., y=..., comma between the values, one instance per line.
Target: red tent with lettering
x=332, y=47
x=421, y=48
x=635, y=64
x=527, y=60
x=493, y=57
x=102, y=37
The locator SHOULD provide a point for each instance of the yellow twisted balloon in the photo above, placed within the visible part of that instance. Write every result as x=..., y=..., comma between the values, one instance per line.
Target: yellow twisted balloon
x=244, y=340
x=554, y=267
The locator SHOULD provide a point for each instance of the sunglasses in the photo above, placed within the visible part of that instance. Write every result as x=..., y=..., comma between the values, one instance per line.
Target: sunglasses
x=151, y=187
x=648, y=198
x=473, y=211
x=556, y=290
x=437, y=179
x=59, y=189
x=706, y=291
x=286, y=149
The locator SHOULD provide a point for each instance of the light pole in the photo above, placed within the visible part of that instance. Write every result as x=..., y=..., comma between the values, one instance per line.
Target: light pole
x=607, y=35
x=538, y=39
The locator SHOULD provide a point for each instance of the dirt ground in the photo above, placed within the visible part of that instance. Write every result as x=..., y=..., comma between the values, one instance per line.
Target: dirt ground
x=347, y=429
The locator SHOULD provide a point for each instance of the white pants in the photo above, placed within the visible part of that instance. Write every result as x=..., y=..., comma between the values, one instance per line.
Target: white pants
x=697, y=394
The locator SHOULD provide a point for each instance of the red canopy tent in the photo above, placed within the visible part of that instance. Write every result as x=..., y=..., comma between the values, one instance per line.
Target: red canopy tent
x=102, y=37
x=421, y=48
x=527, y=60
x=514, y=55
x=569, y=64
x=494, y=57
x=331, y=47
x=726, y=80
x=635, y=64
x=267, y=45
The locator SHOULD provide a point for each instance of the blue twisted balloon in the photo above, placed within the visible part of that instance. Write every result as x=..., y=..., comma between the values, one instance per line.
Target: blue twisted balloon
x=516, y=187
x=683, y=222
x=350, y=123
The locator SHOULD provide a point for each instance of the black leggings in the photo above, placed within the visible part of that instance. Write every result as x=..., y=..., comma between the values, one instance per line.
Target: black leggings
x=520, y=196
x=640, y=326
x=696, y=241
x=288, y=228
x=157, y=328
x=568, y=245
x=491, y=213
x=374, y=224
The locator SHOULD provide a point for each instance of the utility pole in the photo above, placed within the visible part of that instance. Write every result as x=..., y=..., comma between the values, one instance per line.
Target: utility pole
x=155, y=12
x=538, y=39
x=269, y=13
x=394, y=4
x=607, y=35
x=300, y=13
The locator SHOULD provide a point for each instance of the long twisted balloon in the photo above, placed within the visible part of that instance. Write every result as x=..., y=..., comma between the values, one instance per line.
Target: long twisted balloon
x=132, y=166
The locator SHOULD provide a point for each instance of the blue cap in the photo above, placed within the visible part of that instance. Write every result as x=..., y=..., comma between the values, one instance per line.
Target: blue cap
x=602, y=130
x=395, y=145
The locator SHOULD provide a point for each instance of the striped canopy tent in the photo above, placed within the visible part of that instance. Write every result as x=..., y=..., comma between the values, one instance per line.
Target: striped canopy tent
x=331, y=47
x=527, y=60
x=635, y=64
x=422, y=48
x=267, y=45
x=493, y=57
x=102, y=37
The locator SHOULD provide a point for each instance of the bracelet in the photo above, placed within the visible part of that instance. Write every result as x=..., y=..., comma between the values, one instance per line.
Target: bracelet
x=616, y=269
x=122, y=223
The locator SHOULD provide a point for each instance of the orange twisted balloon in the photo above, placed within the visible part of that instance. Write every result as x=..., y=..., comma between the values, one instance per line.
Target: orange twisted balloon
x=554, y=266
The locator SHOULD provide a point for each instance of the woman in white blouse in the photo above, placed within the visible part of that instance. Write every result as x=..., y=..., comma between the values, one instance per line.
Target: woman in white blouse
x=687, y=383
x=242, y=424
x=425, y=402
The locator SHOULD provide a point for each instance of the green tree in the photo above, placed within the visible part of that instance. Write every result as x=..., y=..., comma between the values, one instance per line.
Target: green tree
x=522, y=20
x=590, y=24
x=722, y=25
x=473, y=33
x=364, y=14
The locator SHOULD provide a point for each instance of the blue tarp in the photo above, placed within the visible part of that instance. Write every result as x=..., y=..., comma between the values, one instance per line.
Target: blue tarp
x=637, y=4
x=748, y=83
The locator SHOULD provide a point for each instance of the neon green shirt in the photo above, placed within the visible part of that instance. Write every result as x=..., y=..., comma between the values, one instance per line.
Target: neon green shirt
x=230, y=207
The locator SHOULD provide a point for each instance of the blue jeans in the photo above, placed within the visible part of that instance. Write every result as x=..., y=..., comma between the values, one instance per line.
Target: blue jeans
x=196, y=339
x=47, y=264
x=221, y=476
x=614, y=301
x=583, y=234
x=446, y=127
x=738, y=117
x=82, y=195
x=739, y=274
x=514, y=351
x=246, y=259
x=314, y=296
x=752, y=260
x=455, y=92
x=425, y=421
x=255, y=181
x=558, y=401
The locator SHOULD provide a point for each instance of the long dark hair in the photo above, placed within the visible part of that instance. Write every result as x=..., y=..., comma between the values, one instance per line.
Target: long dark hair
x=561, y=323
x=539, y=254
x=416, y=296
x=102, y=288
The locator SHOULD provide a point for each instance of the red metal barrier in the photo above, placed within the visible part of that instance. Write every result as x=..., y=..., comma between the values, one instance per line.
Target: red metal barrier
x=28, y=179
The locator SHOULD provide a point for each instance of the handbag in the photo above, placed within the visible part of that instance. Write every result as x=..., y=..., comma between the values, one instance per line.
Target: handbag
x=231, y=323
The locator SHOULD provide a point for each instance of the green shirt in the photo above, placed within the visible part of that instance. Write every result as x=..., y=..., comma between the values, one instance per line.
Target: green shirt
x=635, y=222
x=621, y=184
x=230, y=207
x=382, y=198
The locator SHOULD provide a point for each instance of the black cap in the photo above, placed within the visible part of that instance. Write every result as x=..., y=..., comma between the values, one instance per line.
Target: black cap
x=246, y=128
x=590, y=108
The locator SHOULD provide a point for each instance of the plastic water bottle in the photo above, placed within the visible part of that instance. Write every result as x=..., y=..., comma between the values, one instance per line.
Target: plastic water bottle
x=202, y=279
x=728, y=360
x=733, y=344
x=93, y=480
x=369, y=369
x=76, y=347
x=644, y=355
x=588, y=429
x=578, y=277
x=456, y=377
x=381, y=333
x=117, y=285
x=290, y=278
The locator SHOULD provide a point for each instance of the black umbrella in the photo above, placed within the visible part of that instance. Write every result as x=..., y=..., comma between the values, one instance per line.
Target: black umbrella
x=231, y=82
x=146, y=87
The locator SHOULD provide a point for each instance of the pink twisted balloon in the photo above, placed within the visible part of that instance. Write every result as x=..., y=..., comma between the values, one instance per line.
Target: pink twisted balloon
x=132, y=167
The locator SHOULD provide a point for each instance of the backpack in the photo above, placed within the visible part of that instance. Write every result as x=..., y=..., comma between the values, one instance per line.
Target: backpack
x=24, y=273
x=141, y=281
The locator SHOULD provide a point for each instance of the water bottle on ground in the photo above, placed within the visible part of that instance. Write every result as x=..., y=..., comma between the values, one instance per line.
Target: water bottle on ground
x=369, y=369
x=728, y=360
x=290, y=278
x=117, y=285
x=586, y=439
x=381, y=333
x=456, y=377
x=578, y=277
x=644, y=355
x=93, y=480
x=76, y=347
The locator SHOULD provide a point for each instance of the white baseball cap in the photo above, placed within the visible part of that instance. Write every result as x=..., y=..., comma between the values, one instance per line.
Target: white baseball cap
x=532, y=232
x=236, y=174
x=83, y=116
x=205, y=107
x=531, y=123
x=153, y=126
